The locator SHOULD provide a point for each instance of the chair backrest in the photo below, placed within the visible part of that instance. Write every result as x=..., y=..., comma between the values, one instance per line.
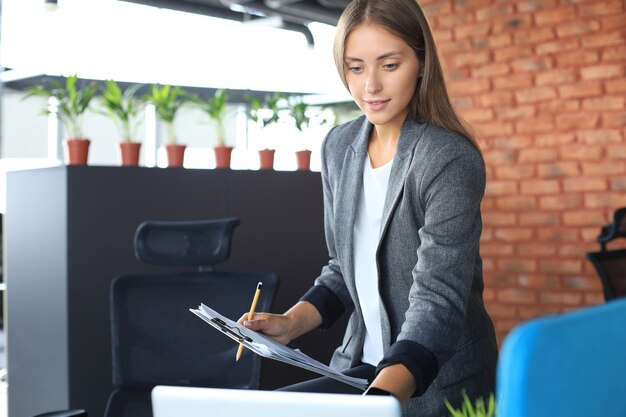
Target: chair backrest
x=611, y=264
x=568, y=365
x=190, y=243
x=611, y=268
x=156, y=340
x=613, y=230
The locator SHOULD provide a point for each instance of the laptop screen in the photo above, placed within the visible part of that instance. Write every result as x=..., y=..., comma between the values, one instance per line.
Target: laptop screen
x=169, y=401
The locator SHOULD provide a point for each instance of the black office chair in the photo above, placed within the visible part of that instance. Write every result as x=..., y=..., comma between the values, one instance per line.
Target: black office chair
x=156, y=340
x=611, y=264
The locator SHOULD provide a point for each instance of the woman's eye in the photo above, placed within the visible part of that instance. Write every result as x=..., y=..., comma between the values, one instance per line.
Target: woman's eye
x=356, y=70
x=391, y=66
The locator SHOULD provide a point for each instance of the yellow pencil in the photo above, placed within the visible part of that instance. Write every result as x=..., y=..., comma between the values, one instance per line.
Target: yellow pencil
x=250, y=315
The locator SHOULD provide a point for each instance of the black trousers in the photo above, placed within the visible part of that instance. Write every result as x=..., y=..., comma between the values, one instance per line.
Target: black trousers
x=332, y=386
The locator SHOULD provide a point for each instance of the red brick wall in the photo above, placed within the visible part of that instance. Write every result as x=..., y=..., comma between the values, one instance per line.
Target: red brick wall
x=543, y=84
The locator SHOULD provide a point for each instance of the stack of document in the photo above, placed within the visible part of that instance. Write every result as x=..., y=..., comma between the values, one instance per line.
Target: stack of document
x=269, y=348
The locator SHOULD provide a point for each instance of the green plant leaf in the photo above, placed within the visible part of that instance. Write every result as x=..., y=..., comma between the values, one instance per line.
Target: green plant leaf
x=73, y=100
x=167, y=100
x=270, y=103
x=215, y=107
x=123, y=108
x=475, y=409
x=297, y=110
x=467, y=404
x=453, y=411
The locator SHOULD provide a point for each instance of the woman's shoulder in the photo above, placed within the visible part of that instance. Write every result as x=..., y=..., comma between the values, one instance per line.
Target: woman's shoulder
x=440, y=149
x=343, y=135
x=445, y=140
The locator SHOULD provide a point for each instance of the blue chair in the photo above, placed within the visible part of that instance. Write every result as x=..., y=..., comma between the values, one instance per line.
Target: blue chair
x=569, y=365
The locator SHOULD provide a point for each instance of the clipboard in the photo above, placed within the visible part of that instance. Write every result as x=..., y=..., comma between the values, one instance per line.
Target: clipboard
x=269, y=348
x=223, y=327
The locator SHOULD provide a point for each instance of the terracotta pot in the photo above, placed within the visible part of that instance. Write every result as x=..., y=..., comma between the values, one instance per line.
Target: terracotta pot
x=175, y=155
x=130, y=153
x=222, y=156
x=303, y=159
x=266, y=158
x=77, y=151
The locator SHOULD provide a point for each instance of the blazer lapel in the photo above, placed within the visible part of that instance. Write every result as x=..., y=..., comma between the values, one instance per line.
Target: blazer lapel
x=347, y=197
x=410, y=134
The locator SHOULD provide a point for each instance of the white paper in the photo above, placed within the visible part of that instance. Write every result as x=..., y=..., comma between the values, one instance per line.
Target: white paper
x=269, y=348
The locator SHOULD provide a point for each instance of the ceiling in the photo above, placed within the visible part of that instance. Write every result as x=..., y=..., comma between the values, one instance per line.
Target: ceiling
x=292, y=15
x=234, y=96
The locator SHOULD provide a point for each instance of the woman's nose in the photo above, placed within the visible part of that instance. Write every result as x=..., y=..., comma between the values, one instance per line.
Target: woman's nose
x=372, y=84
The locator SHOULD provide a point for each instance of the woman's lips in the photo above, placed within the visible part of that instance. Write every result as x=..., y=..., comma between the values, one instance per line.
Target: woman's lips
x=376, y=105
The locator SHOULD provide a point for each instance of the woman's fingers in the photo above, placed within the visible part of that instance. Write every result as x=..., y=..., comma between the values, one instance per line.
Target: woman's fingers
x=273, y=325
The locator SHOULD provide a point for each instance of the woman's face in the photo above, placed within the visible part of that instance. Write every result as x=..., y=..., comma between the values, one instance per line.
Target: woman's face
x=381, y=73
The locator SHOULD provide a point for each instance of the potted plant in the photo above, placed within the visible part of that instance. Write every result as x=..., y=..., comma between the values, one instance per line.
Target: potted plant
x=72, y=102
x=297, y=111
x=255, y=113
x=167, y=100
x=124, y=109
x=478, y=409
x=215, y=107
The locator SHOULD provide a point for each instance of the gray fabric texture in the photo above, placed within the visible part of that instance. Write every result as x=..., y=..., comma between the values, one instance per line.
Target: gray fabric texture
x=430, y=270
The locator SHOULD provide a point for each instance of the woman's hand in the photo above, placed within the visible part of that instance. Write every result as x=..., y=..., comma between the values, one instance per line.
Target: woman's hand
x=277, y=326
x=300, y=319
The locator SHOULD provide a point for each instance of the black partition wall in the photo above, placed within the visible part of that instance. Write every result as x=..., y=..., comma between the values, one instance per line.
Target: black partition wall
x=69, y=232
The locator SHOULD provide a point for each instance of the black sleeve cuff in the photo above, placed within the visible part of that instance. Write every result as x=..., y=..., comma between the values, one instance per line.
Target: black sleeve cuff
x=417, y=359
x=326, y=302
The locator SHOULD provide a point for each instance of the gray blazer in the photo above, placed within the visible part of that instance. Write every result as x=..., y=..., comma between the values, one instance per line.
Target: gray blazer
x=430, y=270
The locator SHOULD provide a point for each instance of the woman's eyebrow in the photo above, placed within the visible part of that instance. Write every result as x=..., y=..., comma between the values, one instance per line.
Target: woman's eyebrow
x=381, y=57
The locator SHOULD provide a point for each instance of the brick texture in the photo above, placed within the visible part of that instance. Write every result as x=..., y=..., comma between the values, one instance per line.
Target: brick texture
x=543, y=85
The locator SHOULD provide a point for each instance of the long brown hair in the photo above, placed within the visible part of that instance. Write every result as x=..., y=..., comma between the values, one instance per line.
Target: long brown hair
x=406, y=20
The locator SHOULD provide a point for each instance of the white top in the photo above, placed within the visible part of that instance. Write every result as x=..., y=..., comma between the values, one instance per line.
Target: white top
x=365, y=241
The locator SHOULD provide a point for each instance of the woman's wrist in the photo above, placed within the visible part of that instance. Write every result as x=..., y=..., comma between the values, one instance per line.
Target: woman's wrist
x=397, y=380
x=303, y=317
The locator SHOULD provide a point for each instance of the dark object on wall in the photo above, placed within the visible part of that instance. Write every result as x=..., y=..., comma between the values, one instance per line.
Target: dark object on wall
x=78, y=224
x=613, y=230
x=611, y=264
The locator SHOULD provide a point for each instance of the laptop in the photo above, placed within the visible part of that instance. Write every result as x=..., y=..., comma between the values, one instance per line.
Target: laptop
x=170, y=401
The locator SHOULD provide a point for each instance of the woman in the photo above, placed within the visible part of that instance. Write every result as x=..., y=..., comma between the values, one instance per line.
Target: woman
x=402, y=191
